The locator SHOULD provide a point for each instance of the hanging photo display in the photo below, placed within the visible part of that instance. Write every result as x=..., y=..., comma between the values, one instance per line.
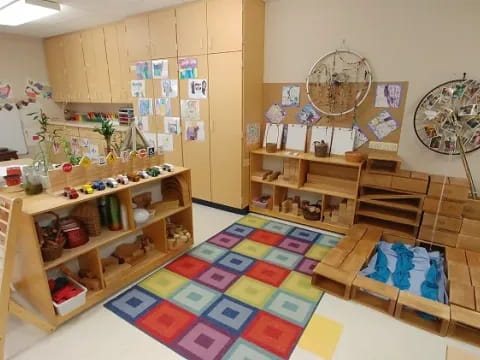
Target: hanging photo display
x=308, y=116
x=163, y=107
x=5, y=90
x=197, y=89
x=291, y=95
x=188, y=68
x=195, y=131
x=145, y=107
x=160, y=69
x=383, y=124
x=138, y=88
x=275, y=114
x=253, y=133
x=190, y=110
x=388, y=96
x=170, y=88
x=143, y=70
x=172, y=125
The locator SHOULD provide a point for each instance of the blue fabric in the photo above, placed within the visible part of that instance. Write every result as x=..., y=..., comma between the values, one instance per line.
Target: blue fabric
x=381, y=270
x=401, y=275
x=429, y=287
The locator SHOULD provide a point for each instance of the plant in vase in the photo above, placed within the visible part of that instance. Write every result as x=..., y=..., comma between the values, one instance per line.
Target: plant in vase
x=107, y=130
x=67, y=149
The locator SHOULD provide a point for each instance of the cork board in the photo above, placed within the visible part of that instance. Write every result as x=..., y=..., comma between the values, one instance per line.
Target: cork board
x=365, y=112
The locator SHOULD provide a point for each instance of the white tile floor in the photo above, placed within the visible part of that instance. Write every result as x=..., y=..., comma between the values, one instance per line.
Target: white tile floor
x=100, y=334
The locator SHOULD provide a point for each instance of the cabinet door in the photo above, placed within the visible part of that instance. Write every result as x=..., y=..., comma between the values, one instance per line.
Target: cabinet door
x=192, y=28
x=224, y=25
x=138, y=38
x=196, y=154
x=226, y=124
x=55, y=59
x=98, y=79
x=117, y=62
x=75, y=69
x=163, y=34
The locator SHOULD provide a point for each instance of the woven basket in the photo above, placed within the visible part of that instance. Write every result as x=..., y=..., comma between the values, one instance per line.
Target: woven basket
x=52, y=247
x=311, y=212
x=88, y=214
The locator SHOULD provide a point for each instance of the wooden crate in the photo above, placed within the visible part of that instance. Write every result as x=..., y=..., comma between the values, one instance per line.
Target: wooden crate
x=458, y=273
x=471, y=209
x=392, y=238
x=470, y=227
x=409, y=308
x=347, y=244
x=410, y=184
x=376, y=180
x=441, y=222
x=449, y=192
x=333, y=281
x=443, y=207
x=335, y=257
x=447, y=238
x=455, y=255
x=468, y=242
x=465, y=325
x=357, y=231
x=462, y=295
x=375, y=294
x=383, y=162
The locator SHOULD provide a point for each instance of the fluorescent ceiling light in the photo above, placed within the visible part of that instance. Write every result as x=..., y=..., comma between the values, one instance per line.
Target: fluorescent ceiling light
x=18, y=12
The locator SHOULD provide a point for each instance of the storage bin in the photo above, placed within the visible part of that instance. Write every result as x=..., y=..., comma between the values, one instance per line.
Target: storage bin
x=73, y=303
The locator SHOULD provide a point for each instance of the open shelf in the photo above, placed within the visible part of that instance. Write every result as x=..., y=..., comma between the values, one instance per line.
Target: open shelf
x=380, y=212
x=258, y=179
x=388, y=226
x=330, y=190
x=401, y=204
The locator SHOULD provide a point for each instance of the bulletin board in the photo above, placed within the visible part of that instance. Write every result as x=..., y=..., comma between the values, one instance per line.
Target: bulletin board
x=365, y=112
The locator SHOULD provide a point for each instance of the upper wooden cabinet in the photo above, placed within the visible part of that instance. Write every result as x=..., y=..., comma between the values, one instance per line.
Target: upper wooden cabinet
x=75, y=68
x=93, y=43
x=138, y=38
x=55, y=59
x=192, y=28
x=163, y=34
x=224, y=25
x=116, y=48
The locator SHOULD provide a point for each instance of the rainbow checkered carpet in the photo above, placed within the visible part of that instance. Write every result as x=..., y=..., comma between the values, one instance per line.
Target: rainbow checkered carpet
x=243, y=294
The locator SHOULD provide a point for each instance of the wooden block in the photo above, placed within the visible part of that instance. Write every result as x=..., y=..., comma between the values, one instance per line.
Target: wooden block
x=473, y=258
x=357, y=231
x=449, y=192
x=455, y=255
x=475, y=275
x=410, y=185
x=477, y=298
x=420, y=176
x=468, y=242
x=335, y=257
x=365, y=248
x=373, y=234
x=409, y=306
x=459, y=181
x=438, y=179
x=376, y=180
x=465, y=325
x=447, y=238
x=375, y=294
x=443, y=207
x=454, y=353
x=333, y=281
x=392, y=238
x=347, y=244
x=441, y=222
x=353, y=263
x=462, y=295
x=470, y=227
x=472, y=209
x=458, y=273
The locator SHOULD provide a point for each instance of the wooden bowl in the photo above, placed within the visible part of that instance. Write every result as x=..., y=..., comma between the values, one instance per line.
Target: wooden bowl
x=354, y=156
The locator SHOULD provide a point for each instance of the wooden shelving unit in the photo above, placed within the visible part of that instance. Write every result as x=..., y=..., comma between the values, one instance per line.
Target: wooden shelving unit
x=33, y=272
x=331, y=180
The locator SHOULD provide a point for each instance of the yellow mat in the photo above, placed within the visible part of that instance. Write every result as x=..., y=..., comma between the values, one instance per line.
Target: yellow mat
x=321, y=336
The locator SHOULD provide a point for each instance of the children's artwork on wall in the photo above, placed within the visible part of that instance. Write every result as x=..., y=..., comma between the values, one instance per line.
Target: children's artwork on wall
x=55, y=146
x=190, y=110
x=124, y=156
x=151, y=138
x=197, y=89
x=172, y=125
x=188, y=68
x=143, y=123
x=275, y=114
x=195, y=131
x=143, y=70
x=165, y=142
x=5, y=90
x=291, y=95
x=163, y=107
x=93, y=151
x=388, y=96
x=37, y=89
x=253, y=133
x=360, y=137
x=145, y=106
x=84, y=144
x=170, y=88
x=75, y=145
x=138, y=88
x=160, y=69
x=383, y=124
x=308, y=116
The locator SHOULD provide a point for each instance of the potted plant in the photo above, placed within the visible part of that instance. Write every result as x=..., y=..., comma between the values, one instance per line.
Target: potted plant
x=107, y=130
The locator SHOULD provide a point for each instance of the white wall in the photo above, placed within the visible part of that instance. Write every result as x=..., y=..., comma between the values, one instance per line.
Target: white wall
x=21, y=59
x=425, y=42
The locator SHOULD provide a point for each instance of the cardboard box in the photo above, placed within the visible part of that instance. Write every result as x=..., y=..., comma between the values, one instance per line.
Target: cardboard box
x=441, y=237
x=376, y=180
x=443, y=207
x=468, y=242
x=470, y=227
x=442, y=222
x=409, y=184
x=449, y=192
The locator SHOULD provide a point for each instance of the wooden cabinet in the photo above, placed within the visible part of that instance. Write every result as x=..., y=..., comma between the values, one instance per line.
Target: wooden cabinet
x=138, y=38
x=192, y=28
x=163, y=34
x=55, y=59
x=98, y=79
x=75, y=69
x=116, y=49
x=224, y=25
x=226, y=127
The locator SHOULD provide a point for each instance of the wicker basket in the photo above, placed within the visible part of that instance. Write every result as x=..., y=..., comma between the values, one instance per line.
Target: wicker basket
x=271, y=147
x=321, y=148
x=89, y=215
x=53, y=252
x=312, y=212
x=51, y=238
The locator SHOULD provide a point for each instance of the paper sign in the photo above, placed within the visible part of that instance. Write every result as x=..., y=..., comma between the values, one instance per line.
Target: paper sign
x=170, y=88
x=165, y=142
x=197, y=89
x=160, y=69
x=291, y=95
x=172, y=125
x=190, y=110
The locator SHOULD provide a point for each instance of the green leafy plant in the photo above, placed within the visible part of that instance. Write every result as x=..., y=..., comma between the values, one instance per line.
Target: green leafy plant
x=67, y=149
x=107, y=130
x=43, y=121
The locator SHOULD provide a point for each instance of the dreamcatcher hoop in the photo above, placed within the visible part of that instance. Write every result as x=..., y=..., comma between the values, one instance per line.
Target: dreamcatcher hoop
x=321, y=63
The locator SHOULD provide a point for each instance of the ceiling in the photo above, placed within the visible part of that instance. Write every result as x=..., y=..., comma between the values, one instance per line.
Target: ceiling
x=80, y=14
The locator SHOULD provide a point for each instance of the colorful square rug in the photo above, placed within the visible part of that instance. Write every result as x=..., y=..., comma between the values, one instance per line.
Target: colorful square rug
x=243, y=294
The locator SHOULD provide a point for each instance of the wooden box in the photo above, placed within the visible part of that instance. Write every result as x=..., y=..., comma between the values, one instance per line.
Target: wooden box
x=376, y=180
x=455, y=255
x=462, y=295
x=458, y=273
x=475, y=276
x=409, y=308
x=347, y=244
x=443, y=207
x=468, y=242
x=335, y=257
x=442, y=222
x=409, y=184
x=333, y=281
x=353, y=263
x=383, y=162
x=470, y=227
x=357, y=231
x=472, y=209
x=473, y=258
x=375, y=294
x=465, y=325
x=449, y=192
x=394, y=238
x=447, y=238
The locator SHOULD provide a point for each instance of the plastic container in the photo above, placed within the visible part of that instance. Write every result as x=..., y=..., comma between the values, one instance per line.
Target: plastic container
x=73, y=303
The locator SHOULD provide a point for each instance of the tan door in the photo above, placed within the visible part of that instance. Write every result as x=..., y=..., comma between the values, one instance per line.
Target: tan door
x=75, y=69
x=98, y=78
x=224, y=25
x=174, y=157
x=226, y=125
x=163, y=34
x=138, y=38
x=55, y=56
x=196, y=154
x=117, y=62
x=192, y=28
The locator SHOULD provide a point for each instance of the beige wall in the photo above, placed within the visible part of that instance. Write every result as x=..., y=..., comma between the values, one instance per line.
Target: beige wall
x=425, y=42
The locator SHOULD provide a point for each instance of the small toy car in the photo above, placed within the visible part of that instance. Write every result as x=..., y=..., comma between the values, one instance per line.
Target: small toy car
x=87, y=189
x=122, y=179
x=111, y=183
x=133, y=177
x=153, y=172
x=71, y=193
x=143, y=174
x=167, y=167
x=98, y=185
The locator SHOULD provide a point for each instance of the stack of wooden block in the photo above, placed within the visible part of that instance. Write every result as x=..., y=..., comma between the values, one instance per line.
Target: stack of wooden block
x=446, y=198
x=290, y=171
x=469, y=237
x=343, y=214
